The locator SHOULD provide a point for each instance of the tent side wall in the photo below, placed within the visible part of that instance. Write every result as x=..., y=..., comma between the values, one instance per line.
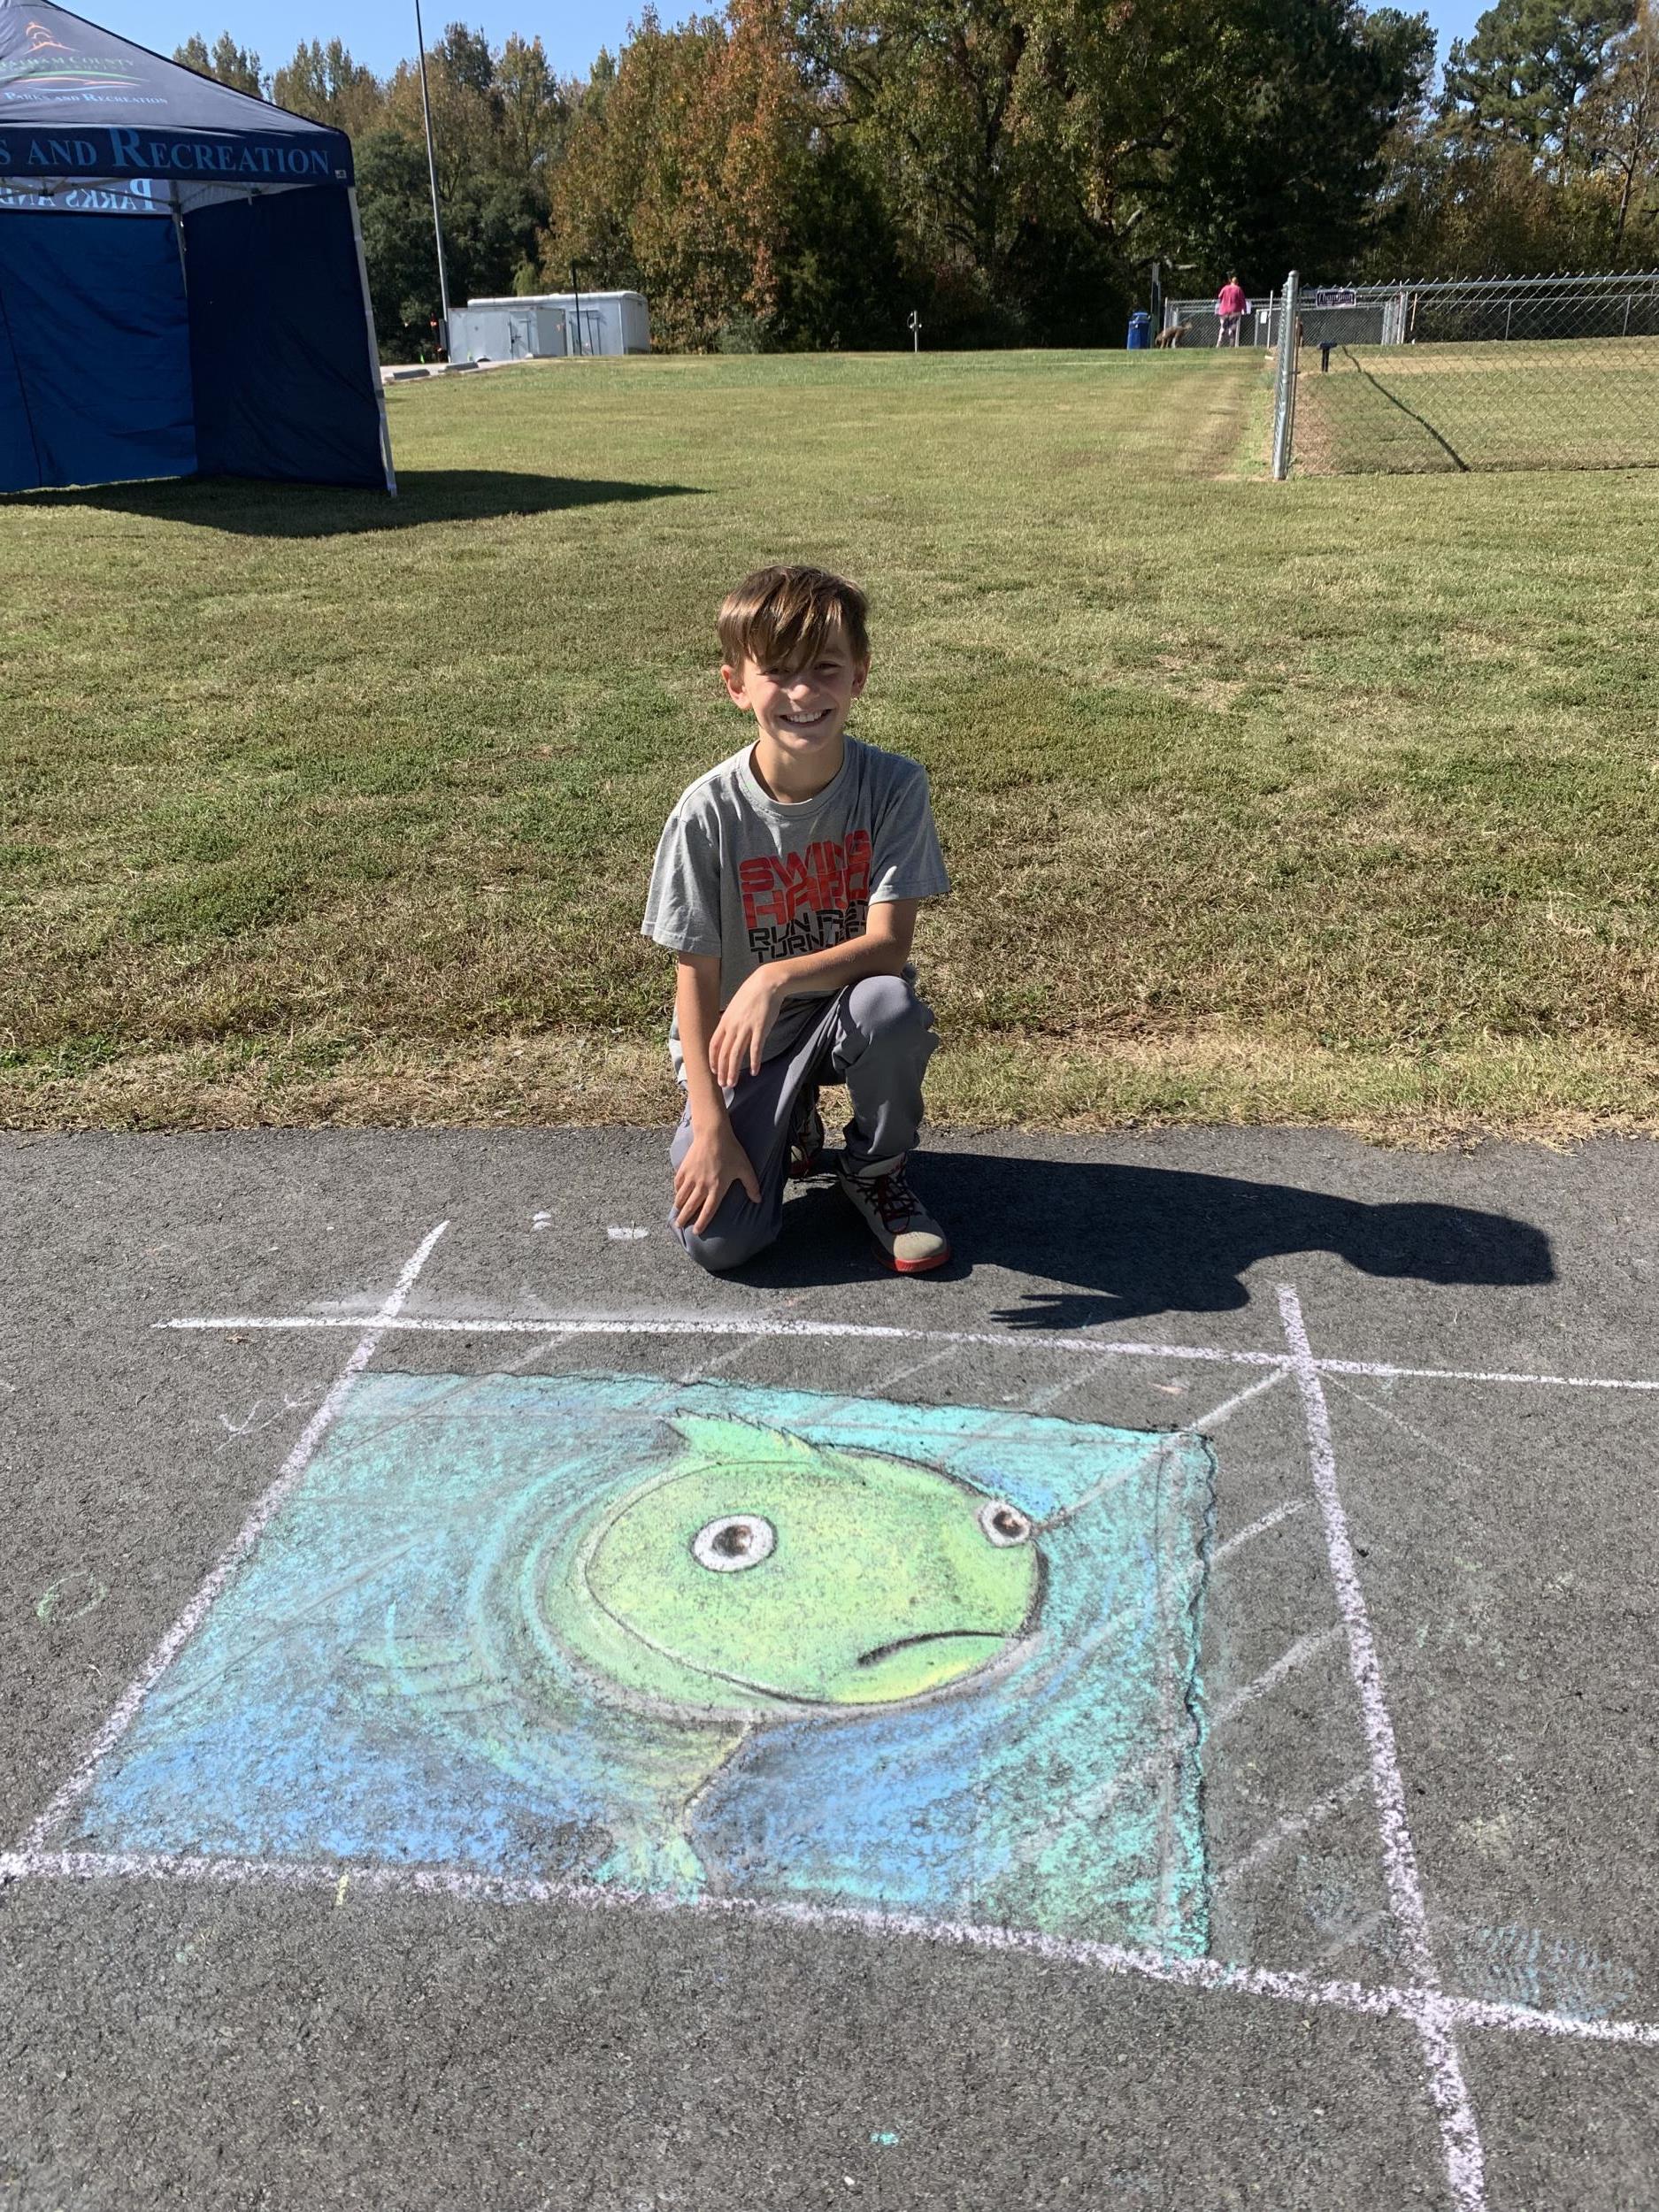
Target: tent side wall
x=95, y=350
x=285, y=385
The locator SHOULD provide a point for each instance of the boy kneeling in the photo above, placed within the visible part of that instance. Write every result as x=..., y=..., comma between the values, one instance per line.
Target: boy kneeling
x=787, y=882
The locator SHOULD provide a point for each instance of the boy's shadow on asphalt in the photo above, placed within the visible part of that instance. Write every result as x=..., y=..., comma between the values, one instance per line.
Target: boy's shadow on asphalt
x=1135, y=1241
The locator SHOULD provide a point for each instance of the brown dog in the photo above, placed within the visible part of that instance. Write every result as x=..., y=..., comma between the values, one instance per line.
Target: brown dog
x=1172, y=336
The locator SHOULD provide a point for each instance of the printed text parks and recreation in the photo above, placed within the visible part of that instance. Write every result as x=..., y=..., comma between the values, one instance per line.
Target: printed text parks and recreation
x=131, y=153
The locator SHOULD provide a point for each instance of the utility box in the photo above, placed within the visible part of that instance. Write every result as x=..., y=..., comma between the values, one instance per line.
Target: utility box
x=508, y=330
x=611, y=323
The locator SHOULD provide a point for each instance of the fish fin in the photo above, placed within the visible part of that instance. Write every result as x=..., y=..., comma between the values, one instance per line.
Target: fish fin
x=661, y=1865
x=718, y=1438
x=689, y=1809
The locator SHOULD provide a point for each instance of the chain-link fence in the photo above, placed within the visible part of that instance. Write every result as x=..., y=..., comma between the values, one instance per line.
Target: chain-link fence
x=1493, y=373
x=1363, y=317
x=1195, y=323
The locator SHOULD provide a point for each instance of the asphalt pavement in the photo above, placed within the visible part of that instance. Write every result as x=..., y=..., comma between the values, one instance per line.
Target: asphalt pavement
x=285, y=1919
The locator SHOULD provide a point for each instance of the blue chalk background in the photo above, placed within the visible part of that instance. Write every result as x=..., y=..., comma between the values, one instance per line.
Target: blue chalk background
x=379, y=1683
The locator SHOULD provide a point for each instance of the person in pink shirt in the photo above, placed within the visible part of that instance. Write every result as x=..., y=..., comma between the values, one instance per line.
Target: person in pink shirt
x=1231, y=309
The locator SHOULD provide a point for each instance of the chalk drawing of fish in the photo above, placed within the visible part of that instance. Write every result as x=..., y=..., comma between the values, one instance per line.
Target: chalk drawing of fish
x=624, y=1648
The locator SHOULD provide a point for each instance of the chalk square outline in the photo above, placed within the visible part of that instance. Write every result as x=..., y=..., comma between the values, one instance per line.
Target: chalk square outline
x=286, y=1732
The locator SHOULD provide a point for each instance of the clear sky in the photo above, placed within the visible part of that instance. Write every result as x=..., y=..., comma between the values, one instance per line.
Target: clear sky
x=382, y=31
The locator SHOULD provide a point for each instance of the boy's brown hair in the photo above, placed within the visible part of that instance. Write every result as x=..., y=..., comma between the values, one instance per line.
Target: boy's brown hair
x=781, y=618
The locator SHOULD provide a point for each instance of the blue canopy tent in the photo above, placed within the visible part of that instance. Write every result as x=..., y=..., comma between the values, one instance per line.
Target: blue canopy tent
x=181, y=283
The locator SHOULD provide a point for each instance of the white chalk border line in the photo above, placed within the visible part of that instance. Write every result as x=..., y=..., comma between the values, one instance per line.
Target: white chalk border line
x=1004, y=1339
x=1434, y=2013
x=375, y=1877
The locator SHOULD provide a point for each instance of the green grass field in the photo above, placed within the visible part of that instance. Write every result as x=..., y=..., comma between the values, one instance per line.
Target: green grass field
x=1427, y=410
x=1328, y=800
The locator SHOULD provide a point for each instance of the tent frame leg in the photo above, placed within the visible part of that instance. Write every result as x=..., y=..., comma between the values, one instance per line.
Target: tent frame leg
x=374, y=348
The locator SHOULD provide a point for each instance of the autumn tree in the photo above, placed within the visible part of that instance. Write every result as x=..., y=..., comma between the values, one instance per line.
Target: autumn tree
x=805, y=173
x=237, y=66
x=532, y=107
x=324, y=84
x=1038, y=154
x=679, y=177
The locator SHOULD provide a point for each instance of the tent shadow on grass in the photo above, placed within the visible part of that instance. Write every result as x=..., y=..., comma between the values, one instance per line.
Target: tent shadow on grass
x=257, y=509
x=1122, y=1243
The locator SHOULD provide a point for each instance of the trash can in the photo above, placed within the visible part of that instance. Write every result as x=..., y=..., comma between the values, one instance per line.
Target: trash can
x=1139, y=331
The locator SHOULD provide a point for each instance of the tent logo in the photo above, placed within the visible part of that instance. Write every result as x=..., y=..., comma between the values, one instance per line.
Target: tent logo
x=48, y=64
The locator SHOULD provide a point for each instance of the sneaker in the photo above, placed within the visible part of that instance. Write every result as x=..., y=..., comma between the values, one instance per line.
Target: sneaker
x=806, y=1138
x=911, y=1240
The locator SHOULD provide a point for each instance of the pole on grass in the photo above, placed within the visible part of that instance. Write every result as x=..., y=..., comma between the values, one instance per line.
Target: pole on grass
x=576, y=289
x=432, y=172
x=915, y=328
x=1284, y=378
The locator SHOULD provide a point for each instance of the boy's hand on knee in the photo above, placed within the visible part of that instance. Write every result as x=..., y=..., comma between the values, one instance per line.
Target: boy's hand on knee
x=741, y=1033
x=714, y=1161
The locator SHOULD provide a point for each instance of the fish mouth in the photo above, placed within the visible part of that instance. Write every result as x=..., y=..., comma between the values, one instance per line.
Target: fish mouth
x=929, y=1636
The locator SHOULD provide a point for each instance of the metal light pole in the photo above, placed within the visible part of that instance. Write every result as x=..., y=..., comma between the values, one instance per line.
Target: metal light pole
x=915, y=328
x=576, y=289
x=431, y=172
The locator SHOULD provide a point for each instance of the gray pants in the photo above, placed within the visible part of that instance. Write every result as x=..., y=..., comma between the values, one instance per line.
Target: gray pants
x=876, y=1037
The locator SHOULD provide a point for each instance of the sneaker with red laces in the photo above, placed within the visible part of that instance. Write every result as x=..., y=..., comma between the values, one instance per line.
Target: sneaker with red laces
x=912, y=1241
x=806, y=1139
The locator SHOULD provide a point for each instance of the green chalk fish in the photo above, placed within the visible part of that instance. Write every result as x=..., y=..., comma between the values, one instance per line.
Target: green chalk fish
x=756, y=1580
x=760, y=1576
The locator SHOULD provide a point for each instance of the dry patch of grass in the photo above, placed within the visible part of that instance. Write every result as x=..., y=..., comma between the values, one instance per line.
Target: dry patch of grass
x=1598, y=1088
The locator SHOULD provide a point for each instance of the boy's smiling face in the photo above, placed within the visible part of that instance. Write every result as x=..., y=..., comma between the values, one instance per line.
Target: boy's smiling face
x=800, y=714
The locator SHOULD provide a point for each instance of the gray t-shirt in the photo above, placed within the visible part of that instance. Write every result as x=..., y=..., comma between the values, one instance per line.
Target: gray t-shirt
x=745, y=876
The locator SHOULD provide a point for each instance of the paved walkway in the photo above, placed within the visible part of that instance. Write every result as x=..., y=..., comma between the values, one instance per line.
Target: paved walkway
x=1338, y=1893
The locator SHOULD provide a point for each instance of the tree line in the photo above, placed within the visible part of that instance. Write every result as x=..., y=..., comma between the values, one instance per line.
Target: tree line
x=803, y=174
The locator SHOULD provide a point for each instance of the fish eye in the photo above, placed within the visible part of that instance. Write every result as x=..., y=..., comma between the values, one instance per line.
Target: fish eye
x=736, y=1539
x=1005, y=1523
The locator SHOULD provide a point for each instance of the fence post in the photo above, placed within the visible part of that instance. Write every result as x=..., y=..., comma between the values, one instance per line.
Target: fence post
x=1284, y=378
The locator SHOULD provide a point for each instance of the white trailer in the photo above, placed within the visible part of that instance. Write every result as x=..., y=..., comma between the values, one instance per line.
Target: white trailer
x=508, y=330
x=611, y=322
